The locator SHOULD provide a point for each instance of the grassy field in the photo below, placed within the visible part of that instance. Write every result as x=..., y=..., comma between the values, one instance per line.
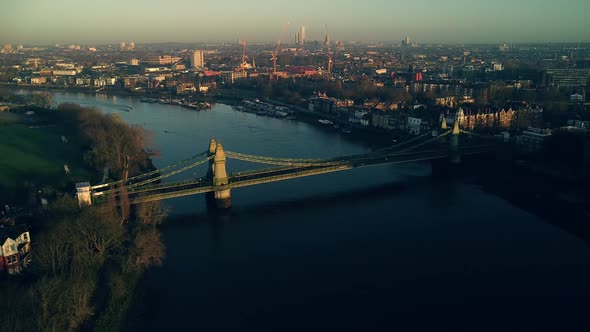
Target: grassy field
x=37, y=156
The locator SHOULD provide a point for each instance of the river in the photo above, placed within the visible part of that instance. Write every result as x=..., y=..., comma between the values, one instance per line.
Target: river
x=383, y=248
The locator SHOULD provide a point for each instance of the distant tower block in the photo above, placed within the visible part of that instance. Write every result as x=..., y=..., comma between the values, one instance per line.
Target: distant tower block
x=83, y=193
x=302, y=35
x=222, y=196
x=197, y=60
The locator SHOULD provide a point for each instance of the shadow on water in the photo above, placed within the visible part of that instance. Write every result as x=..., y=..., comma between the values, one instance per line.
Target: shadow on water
x=219, y=220
x=214, y=215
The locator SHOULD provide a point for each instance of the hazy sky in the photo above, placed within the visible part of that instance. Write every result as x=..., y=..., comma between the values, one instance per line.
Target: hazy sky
x=468, y=21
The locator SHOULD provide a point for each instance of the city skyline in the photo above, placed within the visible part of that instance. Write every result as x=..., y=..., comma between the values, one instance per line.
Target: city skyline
x=454, y=21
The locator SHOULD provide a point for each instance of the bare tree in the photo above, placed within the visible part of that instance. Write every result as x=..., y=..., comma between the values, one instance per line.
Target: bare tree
x=120, y=146
x=99, y=233
x=124, y=204
x=148, y=249
x=113, y=142
x=151, y=213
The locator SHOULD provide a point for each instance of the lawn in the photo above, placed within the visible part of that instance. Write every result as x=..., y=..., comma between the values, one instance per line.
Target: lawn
x=37, y=156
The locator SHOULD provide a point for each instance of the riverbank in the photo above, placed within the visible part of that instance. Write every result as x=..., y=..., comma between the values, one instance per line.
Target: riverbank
x=369, y=136
x=78, y=89
x=87, y=261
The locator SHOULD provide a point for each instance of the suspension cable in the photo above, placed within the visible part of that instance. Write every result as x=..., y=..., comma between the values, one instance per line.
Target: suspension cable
x=139, y=184
x=149, y=173
x=238, y=155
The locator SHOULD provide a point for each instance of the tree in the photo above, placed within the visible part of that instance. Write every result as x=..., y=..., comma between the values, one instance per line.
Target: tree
x=113, y=143
x=42, y=100
x=121, y=146
x=150, y=213
x=124, y=204
x=63, y=304
x=148, y=249
x=52, y=253
x=97, y=233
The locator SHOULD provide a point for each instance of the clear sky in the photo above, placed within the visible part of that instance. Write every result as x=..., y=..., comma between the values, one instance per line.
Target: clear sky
x=463, y=21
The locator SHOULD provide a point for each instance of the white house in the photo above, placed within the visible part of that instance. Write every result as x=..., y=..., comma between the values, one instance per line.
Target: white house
x=15, y=248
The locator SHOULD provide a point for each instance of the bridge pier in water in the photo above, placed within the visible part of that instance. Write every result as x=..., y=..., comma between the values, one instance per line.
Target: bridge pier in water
x=454, y=153
x=447, y=167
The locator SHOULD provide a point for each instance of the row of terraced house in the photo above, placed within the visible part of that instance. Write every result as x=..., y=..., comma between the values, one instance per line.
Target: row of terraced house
x=390, y=116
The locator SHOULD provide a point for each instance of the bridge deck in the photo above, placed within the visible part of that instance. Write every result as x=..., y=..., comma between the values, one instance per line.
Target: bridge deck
x=286, y=171
x=249, y=178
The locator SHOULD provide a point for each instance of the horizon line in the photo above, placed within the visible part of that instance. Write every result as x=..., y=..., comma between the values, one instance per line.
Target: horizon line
x=53, y=44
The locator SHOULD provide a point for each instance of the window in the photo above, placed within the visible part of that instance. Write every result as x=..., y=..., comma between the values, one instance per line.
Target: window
x=25, y=237
x=11, y=259
x=13, y=247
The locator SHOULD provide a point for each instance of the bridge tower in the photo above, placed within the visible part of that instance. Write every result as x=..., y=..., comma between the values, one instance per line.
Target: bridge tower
x=220, y=179
x=210, y=196
x=211, y=152
x=84, y=193
x=212, y=146
x=454, y=155
x=443, y=122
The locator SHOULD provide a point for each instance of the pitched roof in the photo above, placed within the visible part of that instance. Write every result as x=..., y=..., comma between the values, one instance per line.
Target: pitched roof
x=12, y=232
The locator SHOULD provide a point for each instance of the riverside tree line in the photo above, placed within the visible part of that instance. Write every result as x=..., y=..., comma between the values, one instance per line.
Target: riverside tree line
x=87, y=261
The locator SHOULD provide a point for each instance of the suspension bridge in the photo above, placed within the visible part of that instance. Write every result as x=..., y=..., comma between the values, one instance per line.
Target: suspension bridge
x=218, y=183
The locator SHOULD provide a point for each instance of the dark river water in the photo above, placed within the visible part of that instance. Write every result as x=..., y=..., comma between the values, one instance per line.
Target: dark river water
x=377, y=249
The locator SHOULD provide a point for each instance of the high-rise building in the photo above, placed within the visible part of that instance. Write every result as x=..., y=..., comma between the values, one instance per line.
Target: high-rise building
x=123, y=45
x=406, y=41
x=197, y=60
x=302, y=35
x=296, y=38
x=131, y=45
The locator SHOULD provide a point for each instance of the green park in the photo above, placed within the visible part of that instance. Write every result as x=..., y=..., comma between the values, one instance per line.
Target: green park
x=36, y=156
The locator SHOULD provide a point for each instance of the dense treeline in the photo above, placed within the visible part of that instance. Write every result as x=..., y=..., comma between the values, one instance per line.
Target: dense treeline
x=42, y=100
x=88, y=260
x=110, y=140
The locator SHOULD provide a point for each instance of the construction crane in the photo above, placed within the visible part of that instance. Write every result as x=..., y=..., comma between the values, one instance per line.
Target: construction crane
x=243, y=64
x=276, y=52
x=243, y=43
x=329, y=52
